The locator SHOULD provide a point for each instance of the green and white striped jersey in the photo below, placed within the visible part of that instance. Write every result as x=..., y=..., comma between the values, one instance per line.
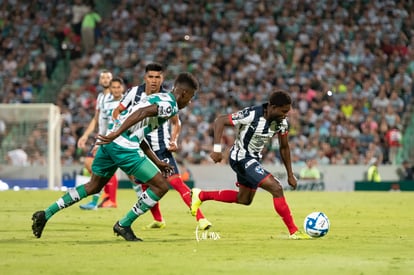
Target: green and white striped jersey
x=109, y=106
x=167, y=108
x=102, y=121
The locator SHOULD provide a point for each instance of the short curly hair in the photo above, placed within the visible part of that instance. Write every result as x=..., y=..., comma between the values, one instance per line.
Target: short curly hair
x=280, y=98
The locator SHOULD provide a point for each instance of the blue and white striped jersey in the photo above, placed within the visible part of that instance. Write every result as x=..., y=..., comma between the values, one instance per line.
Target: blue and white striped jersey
x=253, y=132
x=159, y=139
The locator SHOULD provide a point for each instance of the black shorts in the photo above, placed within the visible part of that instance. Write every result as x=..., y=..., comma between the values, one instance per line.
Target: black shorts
x=249, y=171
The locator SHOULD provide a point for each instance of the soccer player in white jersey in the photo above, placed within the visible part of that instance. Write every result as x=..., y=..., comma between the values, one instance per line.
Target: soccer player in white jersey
x=126, y=148
x=117, y=88
x=98, y=121
x=161, y=142
x=255, y=127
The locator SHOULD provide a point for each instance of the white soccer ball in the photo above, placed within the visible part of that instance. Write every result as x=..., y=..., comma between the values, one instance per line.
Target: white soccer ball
x=316, y=224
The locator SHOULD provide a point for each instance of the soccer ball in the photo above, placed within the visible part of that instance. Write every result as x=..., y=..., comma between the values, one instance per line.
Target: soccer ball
x=316, y=224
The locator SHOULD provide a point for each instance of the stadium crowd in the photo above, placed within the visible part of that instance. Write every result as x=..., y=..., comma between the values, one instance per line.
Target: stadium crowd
x=349, y=66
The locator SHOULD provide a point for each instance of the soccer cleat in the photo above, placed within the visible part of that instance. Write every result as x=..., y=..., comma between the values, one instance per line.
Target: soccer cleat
x=156, y=225
x=299, y=235
x=126, y=232
x=88, y=206
x=195, y=201
x=107, y=204
x=204, y=224
x=39, y=222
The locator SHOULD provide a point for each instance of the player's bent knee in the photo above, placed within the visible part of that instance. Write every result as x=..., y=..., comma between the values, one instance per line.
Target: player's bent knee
x=92, y=188
x=278, y=188
x=158, y=185
x=273, y=188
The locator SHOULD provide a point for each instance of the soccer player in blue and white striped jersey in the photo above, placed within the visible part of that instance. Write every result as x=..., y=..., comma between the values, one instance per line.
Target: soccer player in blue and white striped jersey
x=255, y=127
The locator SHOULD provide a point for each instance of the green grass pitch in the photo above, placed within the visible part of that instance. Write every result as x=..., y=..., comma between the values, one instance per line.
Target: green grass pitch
x=371, y=233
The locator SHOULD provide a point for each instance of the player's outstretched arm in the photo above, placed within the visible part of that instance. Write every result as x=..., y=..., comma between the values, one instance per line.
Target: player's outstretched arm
x=219, y=124
x=91, y=127
x=285, y=154
x=134, y=118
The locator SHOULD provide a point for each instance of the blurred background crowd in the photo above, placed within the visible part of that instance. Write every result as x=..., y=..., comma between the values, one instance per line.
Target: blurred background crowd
x=348, y=65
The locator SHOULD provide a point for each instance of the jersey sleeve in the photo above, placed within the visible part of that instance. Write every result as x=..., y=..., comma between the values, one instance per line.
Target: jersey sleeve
x=241, y=117
x=167, y=106
x=165, y=109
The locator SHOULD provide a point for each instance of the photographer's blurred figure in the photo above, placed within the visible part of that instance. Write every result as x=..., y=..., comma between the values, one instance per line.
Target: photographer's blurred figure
x=310, y=172
x=406, y=171
x=372, y=173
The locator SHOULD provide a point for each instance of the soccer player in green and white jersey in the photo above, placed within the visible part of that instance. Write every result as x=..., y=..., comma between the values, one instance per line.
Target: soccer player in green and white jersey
x=163, y=141
x=126, y=149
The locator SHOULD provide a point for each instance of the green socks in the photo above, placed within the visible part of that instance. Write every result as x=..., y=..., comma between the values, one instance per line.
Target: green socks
x=72, y=196
x=145, y=202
